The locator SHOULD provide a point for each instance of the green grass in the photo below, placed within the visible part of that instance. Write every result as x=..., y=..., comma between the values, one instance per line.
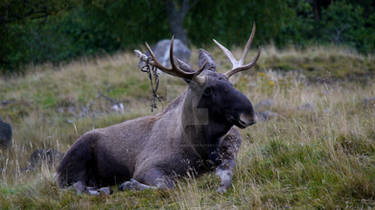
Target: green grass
x=321, y=63
x=320, y=158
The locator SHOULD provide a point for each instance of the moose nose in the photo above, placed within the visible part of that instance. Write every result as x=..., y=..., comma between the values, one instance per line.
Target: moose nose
x=248, y=120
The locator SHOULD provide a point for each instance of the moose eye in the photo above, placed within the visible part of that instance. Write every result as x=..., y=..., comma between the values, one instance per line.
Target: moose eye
x=207, y=91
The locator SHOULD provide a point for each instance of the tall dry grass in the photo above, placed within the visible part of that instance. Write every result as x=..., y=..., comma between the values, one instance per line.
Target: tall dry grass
x=319, y=157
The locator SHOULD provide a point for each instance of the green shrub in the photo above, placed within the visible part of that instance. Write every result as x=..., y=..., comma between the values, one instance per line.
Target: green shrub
x=94, y=27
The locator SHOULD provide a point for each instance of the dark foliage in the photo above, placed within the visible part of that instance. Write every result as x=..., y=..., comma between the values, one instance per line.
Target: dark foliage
x=38, y=32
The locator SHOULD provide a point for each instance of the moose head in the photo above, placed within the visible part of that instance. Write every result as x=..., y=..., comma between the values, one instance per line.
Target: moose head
x=211, y=90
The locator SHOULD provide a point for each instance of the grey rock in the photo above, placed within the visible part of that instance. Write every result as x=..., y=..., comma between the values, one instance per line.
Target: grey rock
x=91, y=188
x=118, y=108
x=50, y=156
x=93, y=192
x=72, y=110
x=5, y=134
x=266, y=115
x=6, y=101
x=369, y=101
x=69, y=121
x=161, y=51
x=79, y=187
x=306, y=107
x=264, y=104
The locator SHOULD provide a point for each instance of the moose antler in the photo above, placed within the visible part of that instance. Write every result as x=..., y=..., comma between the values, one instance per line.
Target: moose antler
x=175, y=70
x=238, y=65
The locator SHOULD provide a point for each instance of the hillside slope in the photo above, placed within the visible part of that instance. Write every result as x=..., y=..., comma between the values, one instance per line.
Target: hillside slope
x=319, y=151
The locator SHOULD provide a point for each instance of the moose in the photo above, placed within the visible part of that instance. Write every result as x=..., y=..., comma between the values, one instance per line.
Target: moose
x=196, y=133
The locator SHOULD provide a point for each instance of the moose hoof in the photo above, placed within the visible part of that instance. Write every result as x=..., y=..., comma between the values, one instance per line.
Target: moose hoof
x=128, y=185
x=79, y=187
x=106, y=190
x=93, y=192
x=101, y=191
x=221, y=189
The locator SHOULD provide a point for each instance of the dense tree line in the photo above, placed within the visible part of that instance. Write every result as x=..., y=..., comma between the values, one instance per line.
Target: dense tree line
x=58, y=30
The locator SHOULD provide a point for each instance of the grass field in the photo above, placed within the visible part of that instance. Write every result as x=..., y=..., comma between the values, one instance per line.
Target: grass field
x=322, y=156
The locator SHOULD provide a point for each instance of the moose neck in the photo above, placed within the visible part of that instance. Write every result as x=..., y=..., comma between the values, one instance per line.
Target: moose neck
x=199, y=127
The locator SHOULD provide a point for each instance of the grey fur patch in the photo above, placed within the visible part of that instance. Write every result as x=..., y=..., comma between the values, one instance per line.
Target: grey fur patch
x=205, y=56
x=134, y=185
x=225, y=177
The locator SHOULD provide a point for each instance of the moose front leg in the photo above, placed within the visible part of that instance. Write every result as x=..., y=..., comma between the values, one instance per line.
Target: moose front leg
x=228, y=150
x=225, y=173
x=135, y=185
x=80, y=188
x=152, y=179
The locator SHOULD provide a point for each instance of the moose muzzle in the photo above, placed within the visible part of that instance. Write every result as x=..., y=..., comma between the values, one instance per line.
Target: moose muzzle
x=246, y=120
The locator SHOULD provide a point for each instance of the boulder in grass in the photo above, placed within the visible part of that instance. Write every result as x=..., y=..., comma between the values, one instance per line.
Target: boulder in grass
x=5, y=134
x=369, y=102
x=306, y=107
x=264, y=104
x=266, y=115
x=161, y=51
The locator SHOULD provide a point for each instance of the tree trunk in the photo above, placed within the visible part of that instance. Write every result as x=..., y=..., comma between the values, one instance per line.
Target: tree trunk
x=176, y=24
x=176, y=17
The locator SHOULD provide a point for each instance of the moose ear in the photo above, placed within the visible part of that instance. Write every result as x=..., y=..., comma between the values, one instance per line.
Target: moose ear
x=184, y=66
x=187, y=68
x=203, y=57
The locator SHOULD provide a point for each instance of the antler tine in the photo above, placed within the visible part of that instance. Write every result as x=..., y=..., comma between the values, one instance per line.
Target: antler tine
x=175, y=70
x=227, y=53
x=201, y=69
x=155, y=60
x=160, y=66
x=173, y=64
x=238, y=65
x=248, y=44
x=242, y=68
